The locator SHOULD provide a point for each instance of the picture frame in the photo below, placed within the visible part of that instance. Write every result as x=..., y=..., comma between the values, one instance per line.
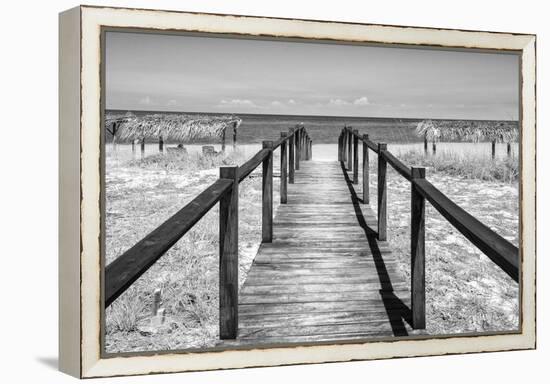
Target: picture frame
x=80, y=142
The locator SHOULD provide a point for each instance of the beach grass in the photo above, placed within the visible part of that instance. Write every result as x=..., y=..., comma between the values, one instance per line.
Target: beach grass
x=187, y=274
x=474, y=166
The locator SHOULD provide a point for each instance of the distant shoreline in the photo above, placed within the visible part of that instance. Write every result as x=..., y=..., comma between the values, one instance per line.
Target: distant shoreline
x=320, y=117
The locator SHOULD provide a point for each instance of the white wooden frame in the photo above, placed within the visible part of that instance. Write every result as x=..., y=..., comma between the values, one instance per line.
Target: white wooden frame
x=80, y=214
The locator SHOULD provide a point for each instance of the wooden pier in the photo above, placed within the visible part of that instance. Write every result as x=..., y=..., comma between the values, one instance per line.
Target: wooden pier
x=324, y=271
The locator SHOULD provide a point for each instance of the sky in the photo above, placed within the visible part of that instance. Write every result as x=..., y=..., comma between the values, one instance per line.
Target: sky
x=160, y=72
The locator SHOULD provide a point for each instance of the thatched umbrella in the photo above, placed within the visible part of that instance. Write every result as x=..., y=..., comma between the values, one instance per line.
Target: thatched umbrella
x=176, y=127
x=472, y=131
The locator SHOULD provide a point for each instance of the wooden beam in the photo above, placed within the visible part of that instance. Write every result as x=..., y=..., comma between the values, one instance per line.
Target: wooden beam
x=350, y=148
x=267, y=194
x=291, y=141
x=382, y=193
x=283, y=183
x=298, y=149
x=355, y=157
x=418, y=259
x=365, y=170
x=229, y=256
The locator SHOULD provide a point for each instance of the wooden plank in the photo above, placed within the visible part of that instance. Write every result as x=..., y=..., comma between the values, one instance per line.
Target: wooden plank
x=247, y=168
x=366, y=192
x=291, y=156
x=283, y=168
x=418, y=281
x=229, y=256
x=267, y=194
x=382, y=193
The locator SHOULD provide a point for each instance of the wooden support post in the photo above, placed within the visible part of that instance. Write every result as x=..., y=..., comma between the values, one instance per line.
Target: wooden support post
x=418, y=261
x=509, y=149
x=283, y=185
x=229, y=256
x=350, y=148
x=340, y=144
x=365, y=170
x=291, y=141
x=382, y=193
x=143, y=147
x=425, y=144
x=493, y=149
x=307, y=147
x=344, y=146
x=303, y=145
x=133, y=147
x=161, y=144
x=355, y=157
x=223, y=140
x=267, y=194
x=434, y=149
x=234, y=136
x=310, y=149
x=297, y=142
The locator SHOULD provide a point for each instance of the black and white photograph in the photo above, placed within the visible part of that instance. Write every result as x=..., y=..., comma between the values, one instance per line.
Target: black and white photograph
x=263, y=192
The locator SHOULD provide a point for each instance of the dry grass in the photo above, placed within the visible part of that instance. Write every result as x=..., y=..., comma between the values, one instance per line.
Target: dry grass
x=465, y=290
x=471, y=167
x=188, y=273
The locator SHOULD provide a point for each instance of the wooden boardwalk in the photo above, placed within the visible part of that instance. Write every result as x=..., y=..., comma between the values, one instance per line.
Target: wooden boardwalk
x=325, y=276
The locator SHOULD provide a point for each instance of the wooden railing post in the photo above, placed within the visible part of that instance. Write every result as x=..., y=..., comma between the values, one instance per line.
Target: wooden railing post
x=365, y=170
x=298, y=149
x=382, y=193
x=344, y=146
x=283, y=185
x=434, y=148
x=340, y=142
x=303, y=149
x=355, y=157
x=223, y=140
x=418, y=281
x=350, y=143
x=267, y=194
x=310, y=149
x=229, y=256
x=509, y=150
x=142, y=147
x=493, y=149
x=161, y=144
x=291, y=156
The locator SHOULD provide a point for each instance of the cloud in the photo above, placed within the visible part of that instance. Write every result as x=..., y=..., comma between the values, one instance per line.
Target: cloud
x=363, y=100
x=291, y=101
x=146, y=101
x=338, y=102
x=276, y=103
x=171, y=103
x=237, y=102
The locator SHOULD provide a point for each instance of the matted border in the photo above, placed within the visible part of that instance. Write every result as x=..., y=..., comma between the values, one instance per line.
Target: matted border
x=93, y=19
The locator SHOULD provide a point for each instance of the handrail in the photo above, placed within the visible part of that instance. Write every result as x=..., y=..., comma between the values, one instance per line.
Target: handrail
x=498, y=249
x=247, y=168
x=397, y=164
x=128, y=267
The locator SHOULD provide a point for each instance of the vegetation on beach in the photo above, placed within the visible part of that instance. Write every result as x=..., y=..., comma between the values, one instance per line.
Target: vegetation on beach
x=465, y=290
x=188, y=273
x=467, y=130
x=471, y=167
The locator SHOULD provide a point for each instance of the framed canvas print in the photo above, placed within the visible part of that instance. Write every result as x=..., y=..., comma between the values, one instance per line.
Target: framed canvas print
x=242, y=191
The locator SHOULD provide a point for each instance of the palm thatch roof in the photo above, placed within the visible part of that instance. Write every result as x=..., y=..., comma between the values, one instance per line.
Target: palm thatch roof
x=174, y=127
x=472, y=131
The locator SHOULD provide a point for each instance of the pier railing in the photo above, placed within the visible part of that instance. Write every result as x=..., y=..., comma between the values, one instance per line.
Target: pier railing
x=499, y=250
x=295, y=145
